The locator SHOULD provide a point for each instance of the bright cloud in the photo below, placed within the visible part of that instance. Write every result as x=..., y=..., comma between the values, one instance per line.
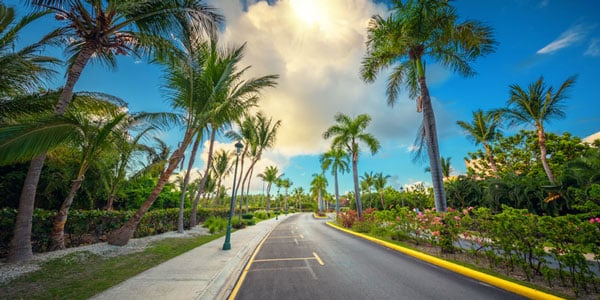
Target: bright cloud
x=566, y=39
x=593, y=48
x=316, y=47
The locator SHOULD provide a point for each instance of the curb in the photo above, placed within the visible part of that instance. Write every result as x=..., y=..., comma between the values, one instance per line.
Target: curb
x=495, y=281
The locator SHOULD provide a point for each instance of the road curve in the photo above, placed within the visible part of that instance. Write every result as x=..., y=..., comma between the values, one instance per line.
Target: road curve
x=302, y=258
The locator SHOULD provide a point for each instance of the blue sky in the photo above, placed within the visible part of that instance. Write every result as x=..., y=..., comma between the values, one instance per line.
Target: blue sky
x=316, y=47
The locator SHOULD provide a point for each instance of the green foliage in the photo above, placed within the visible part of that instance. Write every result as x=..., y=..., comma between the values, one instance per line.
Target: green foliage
x=262, y=214
x=215, y=224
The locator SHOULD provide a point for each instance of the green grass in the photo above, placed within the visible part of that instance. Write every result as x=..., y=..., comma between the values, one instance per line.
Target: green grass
x=81, y=275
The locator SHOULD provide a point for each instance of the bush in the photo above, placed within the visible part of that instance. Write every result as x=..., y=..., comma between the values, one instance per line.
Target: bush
x=247, y=216
x=262, y=214
x=215, y=224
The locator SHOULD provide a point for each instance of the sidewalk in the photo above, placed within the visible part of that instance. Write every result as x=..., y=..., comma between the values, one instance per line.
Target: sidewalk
x=206, y=272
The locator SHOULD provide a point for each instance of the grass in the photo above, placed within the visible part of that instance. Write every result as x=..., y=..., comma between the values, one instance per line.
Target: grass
x=81, y=275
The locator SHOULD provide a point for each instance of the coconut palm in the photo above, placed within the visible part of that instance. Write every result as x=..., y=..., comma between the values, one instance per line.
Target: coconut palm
x=379, y=183
x=23, y=70
x=101, y=30
x=270, y=175
x=484, y=130
x=347, y=134
x=221, y=165
x=317, y=186
x=286, y=184
x=338, y=160
x=446, y=167
x=298, y=194
x=414, y=30
x=367, y=181
x=536, y=105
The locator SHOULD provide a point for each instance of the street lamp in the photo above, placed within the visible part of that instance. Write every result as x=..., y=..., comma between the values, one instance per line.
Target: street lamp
x=238, y=150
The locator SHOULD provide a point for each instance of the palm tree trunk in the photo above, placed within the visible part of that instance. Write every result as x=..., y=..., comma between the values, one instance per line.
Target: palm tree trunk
x=268, y=198
x=382, y=202
x=186, y=180
x=20, y=245
x=122, y=235
x=543, y=152
x=488, y=153
x=433, y=150
x=337, y=193
x=202, y=184
x=356, y=186
x=248, y=188
x=58, y=228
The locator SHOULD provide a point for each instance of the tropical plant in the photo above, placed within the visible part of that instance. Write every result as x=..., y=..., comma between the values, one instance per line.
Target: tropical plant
x=221, y=165
x=366, y=183
x=379, y=183
x=23, y=70
x=347, y=134
x=101, y=30
x=446, y=167
x=286, y=184
x=483, y=129
x=535, y=106
x=318, y=186
x=338, y=160
x=416, y=29
x=269, y=175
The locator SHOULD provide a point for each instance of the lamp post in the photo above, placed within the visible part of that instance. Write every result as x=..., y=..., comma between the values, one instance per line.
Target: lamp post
x=227, y=244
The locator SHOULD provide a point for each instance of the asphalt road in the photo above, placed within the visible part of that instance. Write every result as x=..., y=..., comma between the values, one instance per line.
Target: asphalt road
x=303, y=258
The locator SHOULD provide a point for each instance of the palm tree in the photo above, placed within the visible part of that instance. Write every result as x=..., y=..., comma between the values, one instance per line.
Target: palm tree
x=221, y=165
x=347, y=134
x=22, y=70
x=379, y=182
x=286, y=184
x=101, y=30
x=483, y=129
x=446, y=167
x=317, y=186
x=337, y=159
x=367, y=181
x=414, y=30
x=269, y=175
x=535, y=106
x=298, y=193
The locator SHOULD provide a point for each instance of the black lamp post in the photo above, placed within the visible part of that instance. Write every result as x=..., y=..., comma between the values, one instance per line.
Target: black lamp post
x=238, y=150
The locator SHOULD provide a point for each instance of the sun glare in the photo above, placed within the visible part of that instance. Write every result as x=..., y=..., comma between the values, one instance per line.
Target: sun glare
x=308, y=11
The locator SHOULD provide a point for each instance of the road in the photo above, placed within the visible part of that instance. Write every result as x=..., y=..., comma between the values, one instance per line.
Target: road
x=303, y=258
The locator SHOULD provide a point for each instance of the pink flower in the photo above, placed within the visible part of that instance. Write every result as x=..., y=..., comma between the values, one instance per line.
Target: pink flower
x=592, y=220
x=598, y=220
x=435, y=233
x=456, y=218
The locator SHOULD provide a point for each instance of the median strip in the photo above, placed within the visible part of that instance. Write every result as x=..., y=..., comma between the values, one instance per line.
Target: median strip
x=492, y=280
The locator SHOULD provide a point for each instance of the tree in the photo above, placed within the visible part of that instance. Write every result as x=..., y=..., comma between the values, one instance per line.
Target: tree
x=347, y=134
x=23, y=70
x=101, y=30
x=535, y=106
x=298, y=195
x=380, y=182
x=221, y=166
x=366, y=183
x=338, y=160
x=446, y=167
x=483, y=129
x=414, y=30
x=269, y=175
x=286, y=184
x=317, y=186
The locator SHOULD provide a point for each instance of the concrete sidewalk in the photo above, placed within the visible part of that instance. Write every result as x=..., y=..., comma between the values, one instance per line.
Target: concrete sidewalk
x=206, y=272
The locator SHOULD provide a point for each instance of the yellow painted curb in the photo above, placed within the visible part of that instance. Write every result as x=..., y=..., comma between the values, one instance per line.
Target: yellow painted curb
x=495, y=281
x=319, y=217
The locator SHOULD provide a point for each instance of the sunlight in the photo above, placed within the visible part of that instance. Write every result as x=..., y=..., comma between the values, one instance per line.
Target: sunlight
x=309, y=11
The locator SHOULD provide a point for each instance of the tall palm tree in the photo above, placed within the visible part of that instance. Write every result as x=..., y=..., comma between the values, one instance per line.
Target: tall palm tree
x=318, y=185
x=101, y=30
x=269, y=175
x=414, y=30
x=338, y=160
x=483, y=129
x=535, y=106
x=347, y=134
x=286, y=184
x=446, y=167
x=23, y=70
x=379, y=183
x=221, y=165
x=298, y=194
x=367, y=181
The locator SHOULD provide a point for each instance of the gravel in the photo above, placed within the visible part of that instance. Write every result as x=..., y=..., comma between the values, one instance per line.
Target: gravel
x=9, y=271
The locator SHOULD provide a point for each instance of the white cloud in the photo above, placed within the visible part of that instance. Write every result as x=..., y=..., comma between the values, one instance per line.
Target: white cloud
x=566, y=39
x=593, y=48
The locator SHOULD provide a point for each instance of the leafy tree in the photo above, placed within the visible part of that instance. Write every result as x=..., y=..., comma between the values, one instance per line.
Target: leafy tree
x=414, y=30
x=367, y=181
x=535, y=106
x=464, y=192
x=269, y=175
x=379, y=183
x=337, y=159
x=347, y=134
x=483, y=129
x=446, y=167
x=101, y=30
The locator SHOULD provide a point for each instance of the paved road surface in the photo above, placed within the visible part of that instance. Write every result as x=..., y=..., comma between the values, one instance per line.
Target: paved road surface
x=305, y=259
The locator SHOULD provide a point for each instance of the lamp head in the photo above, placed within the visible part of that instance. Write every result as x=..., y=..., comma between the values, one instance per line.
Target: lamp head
x=238, y=147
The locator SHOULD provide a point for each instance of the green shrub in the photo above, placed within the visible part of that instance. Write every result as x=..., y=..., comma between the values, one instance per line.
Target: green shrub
x=247, y=216
x=261, y=214
x=237, y=223
x=215, y=224
x=249, y=222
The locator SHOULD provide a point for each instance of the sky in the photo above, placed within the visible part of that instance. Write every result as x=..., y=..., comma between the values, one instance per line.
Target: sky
x=316, y=47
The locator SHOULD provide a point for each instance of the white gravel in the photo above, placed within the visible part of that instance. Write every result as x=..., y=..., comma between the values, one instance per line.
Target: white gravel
x=11, y=271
